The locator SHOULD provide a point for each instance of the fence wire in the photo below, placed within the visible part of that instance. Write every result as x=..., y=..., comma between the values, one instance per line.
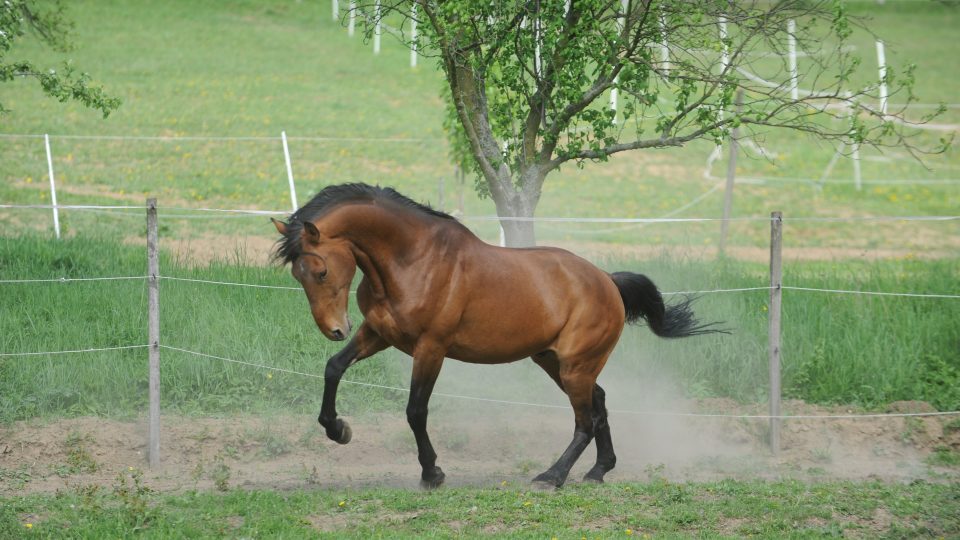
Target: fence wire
x=285, y=288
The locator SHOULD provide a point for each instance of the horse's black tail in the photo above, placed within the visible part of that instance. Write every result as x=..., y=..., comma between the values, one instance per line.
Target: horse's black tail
x=642, y=300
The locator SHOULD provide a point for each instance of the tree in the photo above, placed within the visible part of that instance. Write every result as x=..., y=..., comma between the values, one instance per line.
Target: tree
x=47, y=21
x=528, y=81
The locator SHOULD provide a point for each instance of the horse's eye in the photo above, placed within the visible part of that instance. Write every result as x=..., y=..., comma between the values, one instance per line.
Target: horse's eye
x=322, y=274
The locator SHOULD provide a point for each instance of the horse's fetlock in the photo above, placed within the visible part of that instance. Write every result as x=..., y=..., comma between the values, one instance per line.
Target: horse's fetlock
x=327, y=421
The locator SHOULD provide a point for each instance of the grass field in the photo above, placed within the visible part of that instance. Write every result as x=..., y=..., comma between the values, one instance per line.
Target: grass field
x=660, y=509
x=223, y=72
x=286, y=66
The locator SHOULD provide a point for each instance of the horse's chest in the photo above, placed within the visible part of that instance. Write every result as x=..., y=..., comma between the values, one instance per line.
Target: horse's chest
x=385, y=322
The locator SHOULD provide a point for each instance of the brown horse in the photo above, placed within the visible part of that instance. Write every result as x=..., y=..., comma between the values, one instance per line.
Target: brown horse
x=432, y=289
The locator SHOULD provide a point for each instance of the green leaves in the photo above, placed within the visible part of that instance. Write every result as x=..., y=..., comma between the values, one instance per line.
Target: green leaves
x=49, y=24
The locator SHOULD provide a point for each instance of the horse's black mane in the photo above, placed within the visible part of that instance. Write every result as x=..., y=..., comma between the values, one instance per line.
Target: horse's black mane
x=288, y=247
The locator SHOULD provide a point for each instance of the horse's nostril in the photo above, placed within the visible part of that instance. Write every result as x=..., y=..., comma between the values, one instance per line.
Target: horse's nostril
x=337, y=334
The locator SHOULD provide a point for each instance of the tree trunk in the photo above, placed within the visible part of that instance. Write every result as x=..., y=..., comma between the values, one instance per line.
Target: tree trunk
x=518, y=233
x=522, y=203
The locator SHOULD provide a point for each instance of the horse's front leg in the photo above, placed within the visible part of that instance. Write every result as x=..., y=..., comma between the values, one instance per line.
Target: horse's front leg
x=427, y=360
x=365, y=343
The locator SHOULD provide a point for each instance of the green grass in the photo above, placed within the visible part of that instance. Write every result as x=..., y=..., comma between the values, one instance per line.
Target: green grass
x=837, y=349
x=725, y=509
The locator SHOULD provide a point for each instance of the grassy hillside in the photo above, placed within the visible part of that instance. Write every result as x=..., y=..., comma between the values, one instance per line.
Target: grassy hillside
x=252, y=69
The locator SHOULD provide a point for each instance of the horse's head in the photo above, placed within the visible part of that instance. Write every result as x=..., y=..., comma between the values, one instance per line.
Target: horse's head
x=325, y=268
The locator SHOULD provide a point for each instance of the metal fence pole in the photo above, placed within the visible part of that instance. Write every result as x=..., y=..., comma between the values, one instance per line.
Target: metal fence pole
x=776, y=292
x=153, y=324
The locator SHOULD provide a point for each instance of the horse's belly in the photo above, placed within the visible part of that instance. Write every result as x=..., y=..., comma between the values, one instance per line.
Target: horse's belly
x=474, y=355
x=498, y=344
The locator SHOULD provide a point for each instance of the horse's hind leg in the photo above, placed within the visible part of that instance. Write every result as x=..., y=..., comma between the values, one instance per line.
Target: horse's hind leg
x=579, y=388
x=606, y=459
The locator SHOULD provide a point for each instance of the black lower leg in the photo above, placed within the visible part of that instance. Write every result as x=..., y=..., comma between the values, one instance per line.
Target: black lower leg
x=417, y=409
x=606, y=459
x=557, y=474
x=336, y=429
x=417, y=418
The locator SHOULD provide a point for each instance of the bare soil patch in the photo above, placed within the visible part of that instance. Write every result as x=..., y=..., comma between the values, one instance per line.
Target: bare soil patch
x=288, y=452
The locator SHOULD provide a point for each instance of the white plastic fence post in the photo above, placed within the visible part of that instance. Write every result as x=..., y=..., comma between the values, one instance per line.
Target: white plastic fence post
x=440, y=193
x=613, y=99
x=855, y=154
x=286, y=157
x=53, y=186
x=792, y=47
x=352, y=18
x=503, y=237
x=614, y=94
x=724, y=63
x=537, y=68
x=376, y=28
x=776, y=298
x=731, y=178
x=153, y=329
x=413, y=35
x=882, y=62
x=725, y=53
x=664, y=46
x=335, y=5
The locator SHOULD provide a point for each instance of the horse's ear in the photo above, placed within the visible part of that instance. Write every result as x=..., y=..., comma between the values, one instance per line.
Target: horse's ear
x=281, y=226
x=313, y=234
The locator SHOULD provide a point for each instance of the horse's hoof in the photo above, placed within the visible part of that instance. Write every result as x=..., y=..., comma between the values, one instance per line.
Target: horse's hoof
x=433, y=480
x=345, y=433
x=588, y=479
x=547, y=482
x=540, y=485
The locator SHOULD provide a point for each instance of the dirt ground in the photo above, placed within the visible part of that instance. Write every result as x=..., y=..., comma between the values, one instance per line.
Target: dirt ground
x=291, y=452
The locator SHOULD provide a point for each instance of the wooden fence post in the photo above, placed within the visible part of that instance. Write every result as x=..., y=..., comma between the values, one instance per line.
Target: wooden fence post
x=776, y=292
x=153, y=325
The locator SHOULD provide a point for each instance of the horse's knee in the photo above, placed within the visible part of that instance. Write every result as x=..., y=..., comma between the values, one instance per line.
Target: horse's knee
x=417, y=417
x=334, y=371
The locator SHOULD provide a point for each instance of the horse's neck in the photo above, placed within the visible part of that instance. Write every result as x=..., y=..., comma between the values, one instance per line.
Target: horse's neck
x=381, y=239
